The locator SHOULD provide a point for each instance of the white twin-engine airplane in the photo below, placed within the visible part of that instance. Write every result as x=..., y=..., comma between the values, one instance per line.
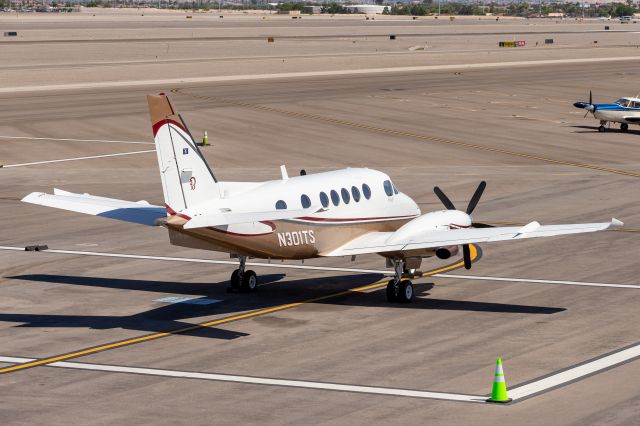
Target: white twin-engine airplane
x=345, y=212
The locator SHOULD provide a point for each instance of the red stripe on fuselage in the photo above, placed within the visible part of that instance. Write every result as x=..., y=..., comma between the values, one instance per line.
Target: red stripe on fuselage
x=347, y=220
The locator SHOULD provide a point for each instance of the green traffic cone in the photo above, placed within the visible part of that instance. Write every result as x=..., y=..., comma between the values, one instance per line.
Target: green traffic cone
x=205, y=139
x=499, y=391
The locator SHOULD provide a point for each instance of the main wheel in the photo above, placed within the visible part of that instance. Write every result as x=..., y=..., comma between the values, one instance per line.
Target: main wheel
x=391, y=293
x=601, y=129
x=234, y=282
x=249, y=282
x=405, y=293
x=624, y=127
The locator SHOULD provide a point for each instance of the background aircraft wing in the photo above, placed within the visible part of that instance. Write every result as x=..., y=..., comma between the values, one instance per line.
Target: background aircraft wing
x=380, y=242
x=139, y=212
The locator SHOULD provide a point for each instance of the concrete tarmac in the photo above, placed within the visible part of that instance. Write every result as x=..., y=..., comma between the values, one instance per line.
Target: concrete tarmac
x=516, y=129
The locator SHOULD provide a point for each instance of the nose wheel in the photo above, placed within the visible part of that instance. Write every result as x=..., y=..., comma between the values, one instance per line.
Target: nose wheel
x=399, y=290
x=243, y=281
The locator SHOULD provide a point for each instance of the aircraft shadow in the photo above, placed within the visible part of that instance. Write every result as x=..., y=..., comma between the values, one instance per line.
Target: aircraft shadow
x=428, y=303
x=594, y=129
x=167, y=317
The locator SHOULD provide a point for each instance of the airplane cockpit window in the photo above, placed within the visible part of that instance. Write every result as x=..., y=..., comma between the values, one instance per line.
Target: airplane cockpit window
x=355, y=192
x=366, y=191
x=622, y=102
x=335, y=198
x=388, y=188
x=395, y=190
x=305, y=201
x=345, y=196
x=281, y=205
x=324, y=199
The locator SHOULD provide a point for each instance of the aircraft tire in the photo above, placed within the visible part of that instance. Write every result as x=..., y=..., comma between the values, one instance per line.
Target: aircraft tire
x=405, y=295
x=234, y=282
x=601, y=129
x=624, y=127
x=391, y=293
x=249, y=282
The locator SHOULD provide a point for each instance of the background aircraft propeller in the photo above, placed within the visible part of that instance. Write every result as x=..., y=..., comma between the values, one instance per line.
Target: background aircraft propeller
x=466, y=249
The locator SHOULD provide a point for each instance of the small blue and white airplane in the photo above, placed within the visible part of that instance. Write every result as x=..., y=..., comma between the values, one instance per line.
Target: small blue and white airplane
x=624, y=111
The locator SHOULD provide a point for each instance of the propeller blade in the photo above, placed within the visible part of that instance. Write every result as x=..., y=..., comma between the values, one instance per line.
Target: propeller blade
x=444, y=199
x=590, y=98
x=476, y=197
x=482, y=225
x=585, y=114
x=466, y=255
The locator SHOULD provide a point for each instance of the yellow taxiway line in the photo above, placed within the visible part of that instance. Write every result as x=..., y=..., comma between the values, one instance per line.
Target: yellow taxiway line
x=408, y=134
x=475, y=255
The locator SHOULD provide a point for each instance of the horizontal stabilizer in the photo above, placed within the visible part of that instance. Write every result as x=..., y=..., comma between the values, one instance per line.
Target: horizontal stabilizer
x=229, y=218
x=140, y=212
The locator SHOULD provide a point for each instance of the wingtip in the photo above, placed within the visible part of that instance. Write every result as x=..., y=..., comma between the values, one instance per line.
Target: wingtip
x=32, y=197
x=616, y=223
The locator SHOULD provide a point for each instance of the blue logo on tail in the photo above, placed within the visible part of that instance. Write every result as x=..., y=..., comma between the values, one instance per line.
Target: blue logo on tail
x=185, y=151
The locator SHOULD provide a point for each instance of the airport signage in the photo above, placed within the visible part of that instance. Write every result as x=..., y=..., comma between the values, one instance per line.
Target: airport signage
x=520, y=43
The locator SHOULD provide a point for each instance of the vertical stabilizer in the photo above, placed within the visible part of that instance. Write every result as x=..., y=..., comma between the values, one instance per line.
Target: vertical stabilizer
x=186, y=177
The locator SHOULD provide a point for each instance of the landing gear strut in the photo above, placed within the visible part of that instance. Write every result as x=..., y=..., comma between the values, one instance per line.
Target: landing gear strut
x=624, y=127
x=602, y=124
x=399, y=290
x=241, y=280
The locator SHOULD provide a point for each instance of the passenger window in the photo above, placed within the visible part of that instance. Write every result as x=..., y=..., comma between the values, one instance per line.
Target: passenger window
x=388, y=189
x=355, y=192
x=281, y=205
x=366, y=191
x=324, y=199
x=335, y=198
x=345, y=196
x=395, y=190
x=305, y=201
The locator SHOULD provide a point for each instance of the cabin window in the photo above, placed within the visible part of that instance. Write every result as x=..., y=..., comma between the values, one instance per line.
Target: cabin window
x=305, y=201
x=345, y=196
x=388, y=188
x=355, y=192
x=635, y=105
x=281, y=205
x=366, y=191
x=395, y=190
x=324, y=199
x=335, y=198
x=622, y=102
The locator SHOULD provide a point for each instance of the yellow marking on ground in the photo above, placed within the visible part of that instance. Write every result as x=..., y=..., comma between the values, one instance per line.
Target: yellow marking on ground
x=135, y=340
x=410, y=134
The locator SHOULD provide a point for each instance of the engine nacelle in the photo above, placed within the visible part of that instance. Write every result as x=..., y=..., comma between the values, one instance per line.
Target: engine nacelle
x=434, y=221
x=446, y=252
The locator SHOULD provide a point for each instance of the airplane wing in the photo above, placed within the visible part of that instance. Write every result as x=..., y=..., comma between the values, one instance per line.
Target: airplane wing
x=634, y=119
x=233, y=217
x=380, y=242
x=139, y=212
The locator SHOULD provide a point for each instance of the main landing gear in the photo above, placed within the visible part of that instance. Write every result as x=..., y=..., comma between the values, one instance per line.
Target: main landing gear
x=241, y=280
x=624, y=127
x=602, y=128
x=399, y=290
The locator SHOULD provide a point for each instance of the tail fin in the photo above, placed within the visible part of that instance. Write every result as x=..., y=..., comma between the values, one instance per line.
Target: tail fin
x=186, y=177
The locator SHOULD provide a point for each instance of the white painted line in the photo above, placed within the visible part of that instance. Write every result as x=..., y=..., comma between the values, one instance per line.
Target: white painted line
x=79, y=158
x=189, y=300
x=225, y=78
x=262, y=381
x=324, y=268
x=574, y=373
x=526, y=280
x=32, y=138
x=220, y=262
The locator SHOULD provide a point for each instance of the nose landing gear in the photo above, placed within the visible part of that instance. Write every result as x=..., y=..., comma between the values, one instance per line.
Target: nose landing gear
x=243, y=281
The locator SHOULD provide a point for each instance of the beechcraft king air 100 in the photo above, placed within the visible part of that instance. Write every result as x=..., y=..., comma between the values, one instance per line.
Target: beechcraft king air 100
x=347, y=212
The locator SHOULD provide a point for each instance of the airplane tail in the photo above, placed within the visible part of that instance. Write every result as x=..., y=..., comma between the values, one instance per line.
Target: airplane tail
x=186, y=177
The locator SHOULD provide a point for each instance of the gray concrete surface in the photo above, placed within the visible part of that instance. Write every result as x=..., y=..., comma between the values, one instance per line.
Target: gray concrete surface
x=408, y=125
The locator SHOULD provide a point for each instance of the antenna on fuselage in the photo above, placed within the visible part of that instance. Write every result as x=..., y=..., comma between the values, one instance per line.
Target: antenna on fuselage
x=283, y=171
